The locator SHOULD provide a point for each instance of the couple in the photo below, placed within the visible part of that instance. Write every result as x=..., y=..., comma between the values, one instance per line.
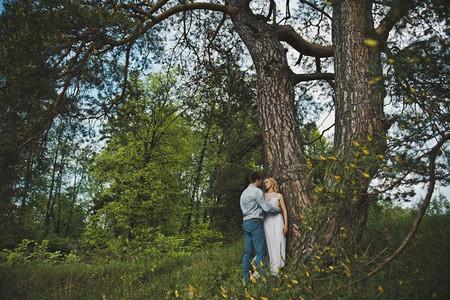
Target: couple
x=263, y=223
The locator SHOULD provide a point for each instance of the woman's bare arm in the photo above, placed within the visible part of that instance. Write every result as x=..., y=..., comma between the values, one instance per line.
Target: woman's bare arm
x=284, y=213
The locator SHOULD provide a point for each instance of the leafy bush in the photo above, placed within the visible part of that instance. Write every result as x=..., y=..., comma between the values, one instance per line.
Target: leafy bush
x=29, y=251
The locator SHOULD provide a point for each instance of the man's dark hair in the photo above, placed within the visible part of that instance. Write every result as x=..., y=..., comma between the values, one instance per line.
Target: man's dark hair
x=254, y=176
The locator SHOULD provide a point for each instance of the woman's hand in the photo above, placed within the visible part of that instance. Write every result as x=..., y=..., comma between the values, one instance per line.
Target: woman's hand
x=285, y=229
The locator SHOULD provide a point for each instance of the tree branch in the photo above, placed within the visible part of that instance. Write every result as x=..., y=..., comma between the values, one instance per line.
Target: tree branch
x=154, y=20
x=321, y=10
x=313, y=76
x=398, y=10
x=287, y=34
x=433, y=153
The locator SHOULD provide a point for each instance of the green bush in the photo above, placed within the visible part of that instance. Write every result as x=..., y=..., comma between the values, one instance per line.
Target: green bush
x=29, y=251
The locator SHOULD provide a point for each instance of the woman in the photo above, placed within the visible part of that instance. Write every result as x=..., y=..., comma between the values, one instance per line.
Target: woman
x=275, y=226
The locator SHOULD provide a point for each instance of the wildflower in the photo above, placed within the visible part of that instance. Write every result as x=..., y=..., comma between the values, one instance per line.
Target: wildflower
x=337, y=178
x=390, y=61
x=223, y=292
x=332, y=157
x=264, y=298
x=375, y=80
x=309, y=164
x=365, y=151
x=318, y=189
x=322, y=157
x=365, y=174
x=307, y=274
x=412, y=90
x=177, y=295
x=370, y=138
x=371, y=42
x=380, y=157
x=294, y=281
x=380, y=289
x=191, y=291
x=356, y=144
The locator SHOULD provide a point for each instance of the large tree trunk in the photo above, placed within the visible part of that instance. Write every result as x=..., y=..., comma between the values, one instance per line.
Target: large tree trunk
x=282, y=144
x=359, y=117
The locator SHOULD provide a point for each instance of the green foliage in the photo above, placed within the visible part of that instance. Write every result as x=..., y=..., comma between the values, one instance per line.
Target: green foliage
x=29, y=251
x=420, y=273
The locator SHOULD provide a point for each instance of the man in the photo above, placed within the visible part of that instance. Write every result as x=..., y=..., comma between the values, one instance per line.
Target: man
x=253, y=206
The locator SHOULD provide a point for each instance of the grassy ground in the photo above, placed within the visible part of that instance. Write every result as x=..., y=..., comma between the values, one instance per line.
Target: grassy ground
x=422, y=272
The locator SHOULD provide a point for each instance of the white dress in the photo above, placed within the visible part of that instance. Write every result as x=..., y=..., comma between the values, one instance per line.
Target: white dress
x=275, y=239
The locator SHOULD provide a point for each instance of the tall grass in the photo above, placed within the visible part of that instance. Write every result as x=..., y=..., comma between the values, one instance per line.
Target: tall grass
x=421, y=272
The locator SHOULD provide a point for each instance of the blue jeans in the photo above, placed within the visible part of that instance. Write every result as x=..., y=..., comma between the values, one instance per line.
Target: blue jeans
x=254, y=243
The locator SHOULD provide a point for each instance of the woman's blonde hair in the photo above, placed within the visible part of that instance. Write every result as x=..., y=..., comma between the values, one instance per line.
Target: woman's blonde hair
x=275, y=186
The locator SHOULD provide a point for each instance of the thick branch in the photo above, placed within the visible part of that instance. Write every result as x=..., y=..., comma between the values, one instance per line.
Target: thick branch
x=398, y=10
x=287, y=34
x=313, y=76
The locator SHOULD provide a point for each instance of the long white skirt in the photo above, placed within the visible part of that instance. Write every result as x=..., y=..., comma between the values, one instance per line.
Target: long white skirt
x=275, y=239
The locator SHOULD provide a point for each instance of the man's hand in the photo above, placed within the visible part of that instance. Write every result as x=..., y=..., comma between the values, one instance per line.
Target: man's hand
x=285, y=229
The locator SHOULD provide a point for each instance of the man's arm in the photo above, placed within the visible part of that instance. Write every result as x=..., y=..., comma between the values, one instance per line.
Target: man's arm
x=264, y=204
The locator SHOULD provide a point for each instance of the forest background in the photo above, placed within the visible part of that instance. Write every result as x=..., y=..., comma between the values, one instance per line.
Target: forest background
x=122, y=165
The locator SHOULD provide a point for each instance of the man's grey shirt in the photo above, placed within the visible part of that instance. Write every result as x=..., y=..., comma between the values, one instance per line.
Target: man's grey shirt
x=253, y=203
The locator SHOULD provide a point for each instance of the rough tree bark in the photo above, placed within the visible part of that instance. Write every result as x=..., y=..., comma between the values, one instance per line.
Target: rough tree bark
x=283, y=152
x=359, y=115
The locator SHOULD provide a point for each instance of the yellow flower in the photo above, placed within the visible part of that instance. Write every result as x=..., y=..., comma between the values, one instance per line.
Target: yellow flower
x=318, y=189
x=380, y=157
x=294, y=281
x=309, y=164
x=365, y=174
x=390, y=61
x=365, y=151
x=307, y=274
x=375, y=80
x=370, y=138
x=264, y=298
x=412, y=90
x=332, y=157
x=177, y=295
x=356, y=144
x=380, y=289
x=337, y=178
x=371, y=42
x=191, y=291
x=322, y=157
